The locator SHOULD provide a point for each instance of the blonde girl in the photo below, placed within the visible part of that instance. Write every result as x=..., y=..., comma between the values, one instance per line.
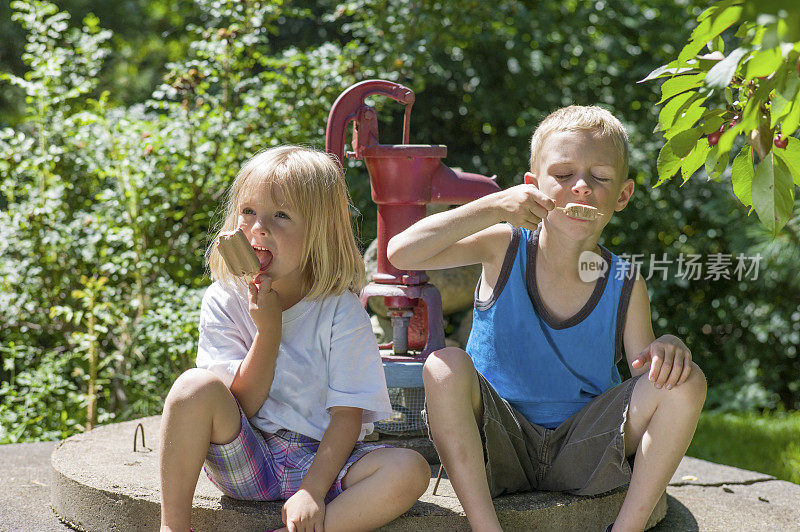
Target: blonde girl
x=288, y=378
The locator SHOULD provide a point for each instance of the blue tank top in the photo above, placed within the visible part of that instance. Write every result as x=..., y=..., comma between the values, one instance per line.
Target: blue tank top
x=549, y=369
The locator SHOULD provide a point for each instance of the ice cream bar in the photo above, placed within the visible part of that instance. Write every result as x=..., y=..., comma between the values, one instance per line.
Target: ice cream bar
x=238, y=253
x=580, y=211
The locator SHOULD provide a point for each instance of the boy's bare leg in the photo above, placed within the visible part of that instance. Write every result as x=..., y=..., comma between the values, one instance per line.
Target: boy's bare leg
x=659, y=428
x=379, y=487
x=453, y=399
x=199, y=409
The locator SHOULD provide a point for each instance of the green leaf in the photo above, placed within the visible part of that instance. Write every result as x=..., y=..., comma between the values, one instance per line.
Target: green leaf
x=789, y=91
x=679, y=84
x=671, y=155
x=712, y=122
x=687, y=118
x=716, y=163
x=727, y=138
x=692, y=162
x=671, y=109
x=683, y=142
x=792, y=120
x=763, y=63
x=667, y=164
x=780, y=107
x=773, y=193
x=722, y=73
x=717, y=44
x=742, y=174
x=713, y=21
x=670, y=69
x=791, y=157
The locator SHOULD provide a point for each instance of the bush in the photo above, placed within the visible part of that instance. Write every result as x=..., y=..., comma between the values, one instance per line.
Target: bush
x=106, y=209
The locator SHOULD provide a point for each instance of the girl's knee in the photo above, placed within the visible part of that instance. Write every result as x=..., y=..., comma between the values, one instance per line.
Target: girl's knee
x=446, y=365
x=416, y=471
x=193, y=384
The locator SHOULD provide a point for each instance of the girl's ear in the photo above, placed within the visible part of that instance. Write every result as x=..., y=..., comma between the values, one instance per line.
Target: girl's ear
x=530, y=179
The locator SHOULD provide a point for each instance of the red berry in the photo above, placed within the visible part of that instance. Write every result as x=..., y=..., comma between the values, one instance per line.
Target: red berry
x=781, y=142
x=713, y=138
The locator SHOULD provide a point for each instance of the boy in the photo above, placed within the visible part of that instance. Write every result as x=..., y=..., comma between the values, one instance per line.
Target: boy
x=537, y=403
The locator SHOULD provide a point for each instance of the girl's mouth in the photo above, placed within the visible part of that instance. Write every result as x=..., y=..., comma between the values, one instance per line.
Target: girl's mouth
x=264, y=257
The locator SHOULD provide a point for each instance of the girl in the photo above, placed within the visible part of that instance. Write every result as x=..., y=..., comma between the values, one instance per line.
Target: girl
x=289, y=378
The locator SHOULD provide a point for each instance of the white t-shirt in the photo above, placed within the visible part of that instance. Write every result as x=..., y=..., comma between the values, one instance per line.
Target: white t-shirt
x=328, y=356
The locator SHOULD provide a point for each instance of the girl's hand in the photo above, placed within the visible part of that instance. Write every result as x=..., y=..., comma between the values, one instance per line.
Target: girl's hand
x=265, y=307
x=303, y=512
x=670, y=361
x=524, y=205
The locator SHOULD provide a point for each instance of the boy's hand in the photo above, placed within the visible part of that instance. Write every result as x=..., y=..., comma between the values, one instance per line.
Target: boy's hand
x=265, y=307
x=303, y=512
x=670, y=361
x=524, y=205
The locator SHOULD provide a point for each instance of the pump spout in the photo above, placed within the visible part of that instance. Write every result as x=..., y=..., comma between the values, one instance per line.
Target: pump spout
x=455, y=187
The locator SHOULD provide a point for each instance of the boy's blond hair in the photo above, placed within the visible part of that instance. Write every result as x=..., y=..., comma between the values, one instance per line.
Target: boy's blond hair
x=312, y=184
x=581, y=118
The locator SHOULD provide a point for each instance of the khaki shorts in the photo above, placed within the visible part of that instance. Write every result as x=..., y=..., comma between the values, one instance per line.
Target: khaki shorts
x=585, y=455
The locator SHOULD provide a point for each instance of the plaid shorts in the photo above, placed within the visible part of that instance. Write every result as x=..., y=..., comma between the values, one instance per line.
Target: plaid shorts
x=260, y=466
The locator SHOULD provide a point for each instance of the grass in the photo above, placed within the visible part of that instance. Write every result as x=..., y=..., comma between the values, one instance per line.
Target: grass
x=764, y=442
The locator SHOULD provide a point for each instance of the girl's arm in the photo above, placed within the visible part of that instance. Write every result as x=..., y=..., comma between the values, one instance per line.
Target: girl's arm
x=253, y=380
x=307, y=505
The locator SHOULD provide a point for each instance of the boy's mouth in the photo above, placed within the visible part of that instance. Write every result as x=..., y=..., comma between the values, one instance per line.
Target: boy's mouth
x=264, y=256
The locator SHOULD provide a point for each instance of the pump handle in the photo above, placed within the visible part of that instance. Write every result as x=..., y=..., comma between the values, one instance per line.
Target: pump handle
x=346, y=109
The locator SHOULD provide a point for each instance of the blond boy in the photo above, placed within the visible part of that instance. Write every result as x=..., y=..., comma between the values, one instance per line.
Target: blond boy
x=538, y=403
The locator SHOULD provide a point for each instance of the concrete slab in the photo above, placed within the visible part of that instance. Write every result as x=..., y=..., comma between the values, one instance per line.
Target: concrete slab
x=767, y=505
x=26, y=473
x=26, y=497
x=100, y=483
x=694, y=472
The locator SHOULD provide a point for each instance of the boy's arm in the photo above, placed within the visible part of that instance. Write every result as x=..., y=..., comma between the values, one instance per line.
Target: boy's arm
x=667, y=359
x=468, y=234
x=334, y=450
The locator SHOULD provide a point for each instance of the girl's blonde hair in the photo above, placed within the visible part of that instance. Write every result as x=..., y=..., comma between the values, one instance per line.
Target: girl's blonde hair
x=581, y=118
x=312, y=184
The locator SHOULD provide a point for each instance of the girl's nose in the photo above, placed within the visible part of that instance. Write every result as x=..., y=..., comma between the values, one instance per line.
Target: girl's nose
x=260, y=227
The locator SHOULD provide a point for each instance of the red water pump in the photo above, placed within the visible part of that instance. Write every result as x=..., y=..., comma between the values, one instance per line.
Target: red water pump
x=403, y=178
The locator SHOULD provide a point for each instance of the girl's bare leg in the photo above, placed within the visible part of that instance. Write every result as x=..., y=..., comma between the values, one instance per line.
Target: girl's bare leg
x=659, y=428
x=199, y=410
x=379, y=487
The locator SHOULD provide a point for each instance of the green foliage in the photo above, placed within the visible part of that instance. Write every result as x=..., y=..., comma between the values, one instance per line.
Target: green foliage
x=107, y=206
x=764, y=442
x=753, y=92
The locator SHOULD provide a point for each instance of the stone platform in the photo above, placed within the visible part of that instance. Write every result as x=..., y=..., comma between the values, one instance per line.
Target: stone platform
x=99, y=484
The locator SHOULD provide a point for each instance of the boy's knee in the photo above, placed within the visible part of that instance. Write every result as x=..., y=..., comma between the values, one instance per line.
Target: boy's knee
x=697, y=383
x=447, y=364
x=693, y=389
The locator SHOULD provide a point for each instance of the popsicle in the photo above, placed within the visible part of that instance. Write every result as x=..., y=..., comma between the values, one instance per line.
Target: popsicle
x=580, y=211
x=238, y=253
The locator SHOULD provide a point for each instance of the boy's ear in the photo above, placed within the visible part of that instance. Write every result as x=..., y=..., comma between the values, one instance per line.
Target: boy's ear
x=625, y=194
x=530, y=179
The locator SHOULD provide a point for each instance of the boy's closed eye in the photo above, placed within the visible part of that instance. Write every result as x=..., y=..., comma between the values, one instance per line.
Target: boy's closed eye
x=598, y=178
